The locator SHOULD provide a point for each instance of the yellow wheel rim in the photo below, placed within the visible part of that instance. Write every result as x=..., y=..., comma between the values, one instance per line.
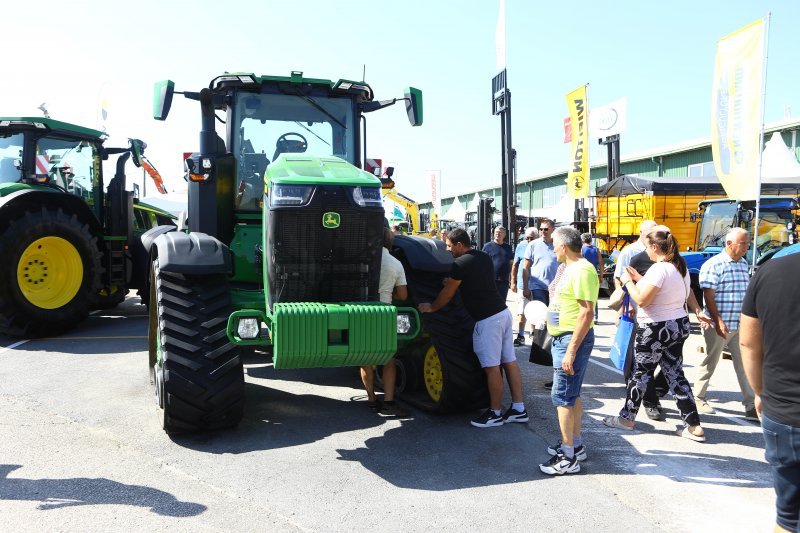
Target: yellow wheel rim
x=432, y=370
x=50, y=272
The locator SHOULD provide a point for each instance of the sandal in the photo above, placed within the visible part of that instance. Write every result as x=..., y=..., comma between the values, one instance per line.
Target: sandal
x=685, y=433
x=614, y=422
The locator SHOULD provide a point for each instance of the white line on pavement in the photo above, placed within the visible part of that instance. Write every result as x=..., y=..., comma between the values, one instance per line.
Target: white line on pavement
x=11, y=347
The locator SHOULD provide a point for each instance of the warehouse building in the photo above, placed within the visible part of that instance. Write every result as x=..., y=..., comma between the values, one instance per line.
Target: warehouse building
x=546, y=195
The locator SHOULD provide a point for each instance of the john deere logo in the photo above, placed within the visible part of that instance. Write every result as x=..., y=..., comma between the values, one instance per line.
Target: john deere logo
x=331, y=220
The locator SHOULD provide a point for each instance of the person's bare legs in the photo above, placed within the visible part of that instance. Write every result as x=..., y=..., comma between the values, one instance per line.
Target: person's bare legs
x=514, y=378
x=494, y=381
x=368, y=378
x=389, y=380
x=576, y=418
x=566, y=421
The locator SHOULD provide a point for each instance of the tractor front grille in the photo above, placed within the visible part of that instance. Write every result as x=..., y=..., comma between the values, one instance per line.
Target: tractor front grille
x=311, y=263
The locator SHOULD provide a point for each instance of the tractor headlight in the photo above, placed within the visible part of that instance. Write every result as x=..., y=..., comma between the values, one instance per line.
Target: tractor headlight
x=367, y=196
x=403, y=324
x=281, y=194
x=248, y=328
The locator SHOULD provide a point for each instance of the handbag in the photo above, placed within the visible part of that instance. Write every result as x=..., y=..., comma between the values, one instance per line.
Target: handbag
x=540, y=348
x=615, y=300
x=622, y=339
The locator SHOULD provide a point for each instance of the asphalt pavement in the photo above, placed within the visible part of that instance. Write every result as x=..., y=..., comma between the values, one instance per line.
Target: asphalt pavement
x=82, y=450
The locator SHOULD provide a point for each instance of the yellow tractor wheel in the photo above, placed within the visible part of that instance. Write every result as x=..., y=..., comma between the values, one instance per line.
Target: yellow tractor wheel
x=49, y=272
x=433, y=375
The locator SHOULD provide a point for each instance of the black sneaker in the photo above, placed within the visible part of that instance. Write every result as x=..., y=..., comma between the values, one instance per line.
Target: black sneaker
x=519, y=341
x=392, y=409
x=655, y=412
x=512, y=415
x=487, y=420
x=580, y=451
x=559, y=465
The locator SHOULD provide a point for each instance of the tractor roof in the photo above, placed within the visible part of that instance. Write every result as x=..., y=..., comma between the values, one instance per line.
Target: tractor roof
x=51, y=125
x=243, y=79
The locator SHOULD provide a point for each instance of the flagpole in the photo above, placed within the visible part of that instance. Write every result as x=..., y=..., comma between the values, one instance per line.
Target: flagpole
x=761, y=140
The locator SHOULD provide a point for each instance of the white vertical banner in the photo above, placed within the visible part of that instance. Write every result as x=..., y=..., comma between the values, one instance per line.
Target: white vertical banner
x=500, y=36
x=737, y=110
x=435, y=177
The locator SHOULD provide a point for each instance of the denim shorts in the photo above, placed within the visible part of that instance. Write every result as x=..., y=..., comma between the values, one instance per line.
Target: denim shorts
x=493, y=341
x=782, y=445
x=567, y=389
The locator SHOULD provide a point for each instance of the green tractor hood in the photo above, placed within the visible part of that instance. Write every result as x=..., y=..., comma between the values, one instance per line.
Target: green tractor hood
x=304, y=169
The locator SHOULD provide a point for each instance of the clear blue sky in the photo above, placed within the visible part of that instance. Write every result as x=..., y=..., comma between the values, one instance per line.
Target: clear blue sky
x=658, y=54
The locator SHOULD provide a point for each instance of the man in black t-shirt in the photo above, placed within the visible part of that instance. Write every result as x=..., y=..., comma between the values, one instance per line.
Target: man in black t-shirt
x=473, y=273
x=768, y=334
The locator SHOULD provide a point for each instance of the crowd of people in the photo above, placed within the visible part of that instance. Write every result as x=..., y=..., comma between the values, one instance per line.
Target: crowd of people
x=561, y=268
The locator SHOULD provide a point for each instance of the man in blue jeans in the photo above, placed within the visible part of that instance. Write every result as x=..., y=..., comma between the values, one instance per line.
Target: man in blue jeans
x=570, y=323
x=768, y=331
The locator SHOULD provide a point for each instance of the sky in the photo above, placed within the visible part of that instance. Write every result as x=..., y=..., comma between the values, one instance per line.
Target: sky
x=660, y=55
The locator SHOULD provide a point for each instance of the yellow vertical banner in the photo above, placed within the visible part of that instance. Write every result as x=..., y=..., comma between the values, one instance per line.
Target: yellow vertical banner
x=578, y=176
x=736, y=114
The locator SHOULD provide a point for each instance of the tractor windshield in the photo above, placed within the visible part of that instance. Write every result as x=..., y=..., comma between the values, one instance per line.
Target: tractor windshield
x=717, y=220
x=773, y=233
x=68, y=163
x=10, y=157
x=268, y=125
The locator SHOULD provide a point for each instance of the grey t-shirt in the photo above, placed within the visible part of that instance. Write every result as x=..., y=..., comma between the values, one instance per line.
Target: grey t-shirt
x=543, y=264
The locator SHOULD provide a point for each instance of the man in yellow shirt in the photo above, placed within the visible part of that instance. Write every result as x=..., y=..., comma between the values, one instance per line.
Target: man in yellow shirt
x=570, y=322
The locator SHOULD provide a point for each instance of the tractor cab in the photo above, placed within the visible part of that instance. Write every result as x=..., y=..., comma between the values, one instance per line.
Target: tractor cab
x=776, y=225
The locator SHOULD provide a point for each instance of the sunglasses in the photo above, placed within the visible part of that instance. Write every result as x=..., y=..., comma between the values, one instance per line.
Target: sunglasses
x=544, y=229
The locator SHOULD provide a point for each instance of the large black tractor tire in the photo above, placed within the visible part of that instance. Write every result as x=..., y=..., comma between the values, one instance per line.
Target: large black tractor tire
x=452, y=379
x=196, y=370
x=50, y=274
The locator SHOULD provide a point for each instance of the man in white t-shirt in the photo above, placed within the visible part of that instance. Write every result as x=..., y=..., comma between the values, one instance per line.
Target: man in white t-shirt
x=392, y=285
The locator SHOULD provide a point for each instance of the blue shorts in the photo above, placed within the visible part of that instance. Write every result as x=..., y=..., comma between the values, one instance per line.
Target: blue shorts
x=782, y=447
x=493, y=339
x=567, y=389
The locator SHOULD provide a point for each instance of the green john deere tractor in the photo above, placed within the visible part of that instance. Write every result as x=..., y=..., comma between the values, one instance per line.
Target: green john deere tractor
x=283, y=250
x=68, y=245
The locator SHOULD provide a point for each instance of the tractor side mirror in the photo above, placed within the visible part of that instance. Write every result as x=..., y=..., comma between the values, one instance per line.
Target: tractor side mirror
x=137, y=151
x=163, y=92
x=414, y=106
x=746, y=216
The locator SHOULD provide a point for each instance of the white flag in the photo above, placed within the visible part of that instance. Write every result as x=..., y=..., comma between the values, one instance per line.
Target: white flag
x=608, y=120
x=500, y=36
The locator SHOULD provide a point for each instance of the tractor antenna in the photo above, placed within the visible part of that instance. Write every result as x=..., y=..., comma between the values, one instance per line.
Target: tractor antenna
x=43, y=108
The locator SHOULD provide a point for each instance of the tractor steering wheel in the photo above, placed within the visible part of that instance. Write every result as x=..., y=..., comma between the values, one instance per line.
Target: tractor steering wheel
x=766, y=245
x=286, y=146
